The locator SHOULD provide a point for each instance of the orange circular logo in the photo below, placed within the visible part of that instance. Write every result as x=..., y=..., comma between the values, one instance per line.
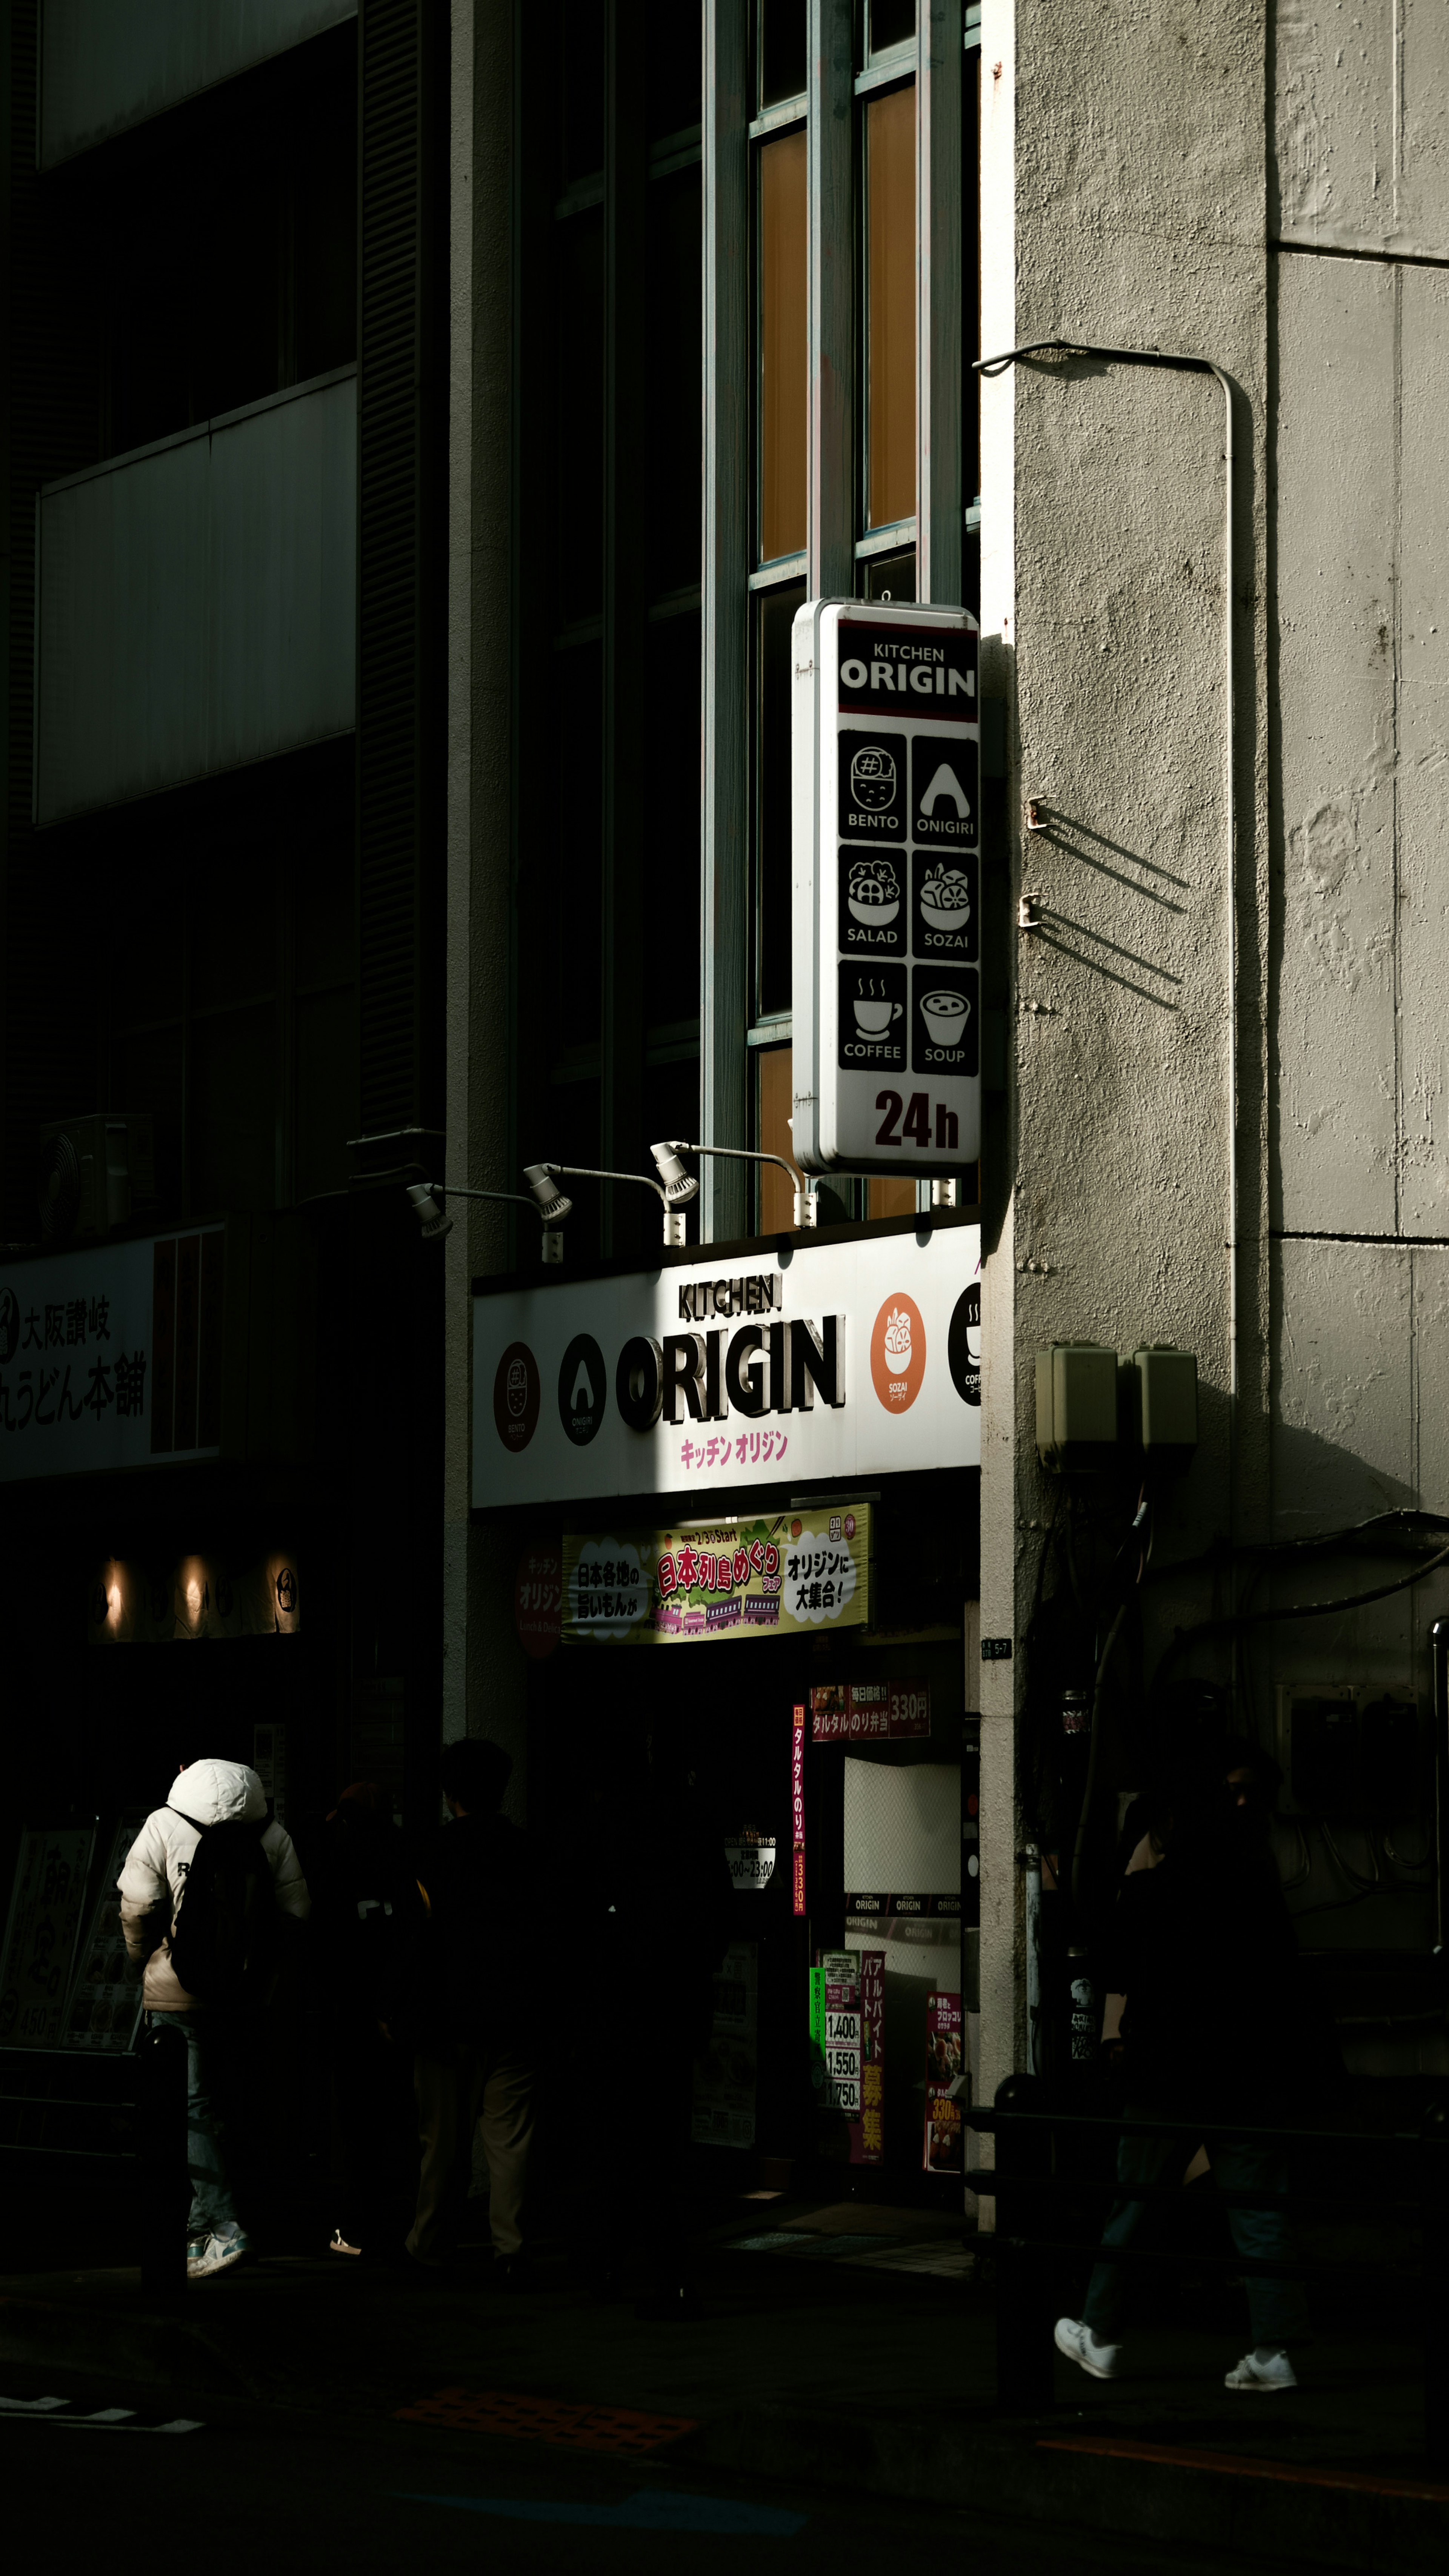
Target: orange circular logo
x=898, y=1353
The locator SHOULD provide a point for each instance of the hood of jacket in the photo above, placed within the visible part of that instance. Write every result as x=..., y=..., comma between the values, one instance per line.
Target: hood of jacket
x=218, y=1793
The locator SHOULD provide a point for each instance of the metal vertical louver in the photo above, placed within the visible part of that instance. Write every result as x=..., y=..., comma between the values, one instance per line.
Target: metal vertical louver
x=400, y=556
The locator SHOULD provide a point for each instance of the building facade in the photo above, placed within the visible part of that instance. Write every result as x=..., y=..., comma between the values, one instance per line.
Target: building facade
x=225, y=408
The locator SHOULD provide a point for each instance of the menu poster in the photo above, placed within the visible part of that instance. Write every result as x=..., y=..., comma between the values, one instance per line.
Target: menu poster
x=944, y=2064
x=869, y=1712
x=723, y=2109
x=835, y=2029
x=867, y=2133
x=45, y=1909
x=105, y=1999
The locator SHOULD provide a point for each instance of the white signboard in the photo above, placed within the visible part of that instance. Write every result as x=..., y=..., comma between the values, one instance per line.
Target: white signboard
x=106, y=1355
x=822, y=1361
x=886, y=747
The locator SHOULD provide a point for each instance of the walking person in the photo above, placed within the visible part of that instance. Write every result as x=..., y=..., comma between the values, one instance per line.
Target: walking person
x=204, y=1889
x=1203, y=1957
x=469, y=1994
x=368, y=1908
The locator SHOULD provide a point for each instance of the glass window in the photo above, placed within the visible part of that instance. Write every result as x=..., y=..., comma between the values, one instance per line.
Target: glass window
x=676, y=68
x=775, y=616
x=673, y=341
x=583, y=90
x=671, y=866
x=890, y=1198
x=572, y=926
x=774, y=1104
x=892, y=22
x=891, y=305
x=783, y=380
x=890, y=577
x=579, y=415
x=782, y=50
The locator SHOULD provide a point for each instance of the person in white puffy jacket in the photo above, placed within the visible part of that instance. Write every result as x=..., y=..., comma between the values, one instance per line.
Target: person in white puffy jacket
x=151, y=1884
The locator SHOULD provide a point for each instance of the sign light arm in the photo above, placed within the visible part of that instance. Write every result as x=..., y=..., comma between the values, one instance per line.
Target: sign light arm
x=674, y=1234
x=427, y=1201
x=807, y=1202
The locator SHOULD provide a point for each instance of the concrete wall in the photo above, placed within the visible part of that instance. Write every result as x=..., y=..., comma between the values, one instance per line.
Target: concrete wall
x=1130, y=201
x=483, y=1665
x=109, y=64
x=197, y=602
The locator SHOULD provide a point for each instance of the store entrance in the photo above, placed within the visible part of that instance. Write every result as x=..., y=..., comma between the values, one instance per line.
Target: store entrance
x=883, y=1823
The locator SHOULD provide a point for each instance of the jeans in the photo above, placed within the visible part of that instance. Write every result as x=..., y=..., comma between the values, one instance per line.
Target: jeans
x=1277, y=2312
x=213, y=2211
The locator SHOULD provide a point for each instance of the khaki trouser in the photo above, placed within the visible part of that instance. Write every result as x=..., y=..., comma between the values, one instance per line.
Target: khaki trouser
x=495, y=2086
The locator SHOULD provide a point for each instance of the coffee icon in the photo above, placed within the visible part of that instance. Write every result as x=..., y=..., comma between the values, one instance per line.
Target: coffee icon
x=873, y=1018
x=945, y=1015
x=873, y=779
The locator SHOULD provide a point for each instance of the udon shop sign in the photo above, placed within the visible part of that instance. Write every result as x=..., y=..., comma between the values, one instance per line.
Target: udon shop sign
x=838, y=1360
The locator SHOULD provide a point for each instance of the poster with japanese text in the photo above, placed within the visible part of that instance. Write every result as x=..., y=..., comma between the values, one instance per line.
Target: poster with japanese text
x=944, y=2066
x=867, y=2131
x=45, y=1911
x=782, y=1576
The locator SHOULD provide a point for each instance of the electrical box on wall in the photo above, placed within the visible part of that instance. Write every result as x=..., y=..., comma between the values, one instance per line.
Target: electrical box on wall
x=1076, y=1406
x=1164, y=1394
x=1347, y=1753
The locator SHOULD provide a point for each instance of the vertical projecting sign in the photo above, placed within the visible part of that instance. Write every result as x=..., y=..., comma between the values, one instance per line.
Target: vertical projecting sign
x=886, y=749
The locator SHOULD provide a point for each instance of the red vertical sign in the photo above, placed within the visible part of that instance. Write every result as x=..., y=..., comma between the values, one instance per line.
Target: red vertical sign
x=797, y=1803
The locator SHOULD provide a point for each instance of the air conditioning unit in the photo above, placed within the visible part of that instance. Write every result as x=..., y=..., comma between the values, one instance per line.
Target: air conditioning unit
x=95, y=1173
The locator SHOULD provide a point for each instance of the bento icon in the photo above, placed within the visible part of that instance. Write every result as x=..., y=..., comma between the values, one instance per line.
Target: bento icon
x=873, y=779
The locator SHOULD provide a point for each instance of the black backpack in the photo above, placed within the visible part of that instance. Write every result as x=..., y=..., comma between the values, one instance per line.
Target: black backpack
x=223, y=1945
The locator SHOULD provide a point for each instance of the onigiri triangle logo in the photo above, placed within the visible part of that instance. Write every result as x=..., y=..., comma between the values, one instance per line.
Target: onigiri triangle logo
x=898, y=1352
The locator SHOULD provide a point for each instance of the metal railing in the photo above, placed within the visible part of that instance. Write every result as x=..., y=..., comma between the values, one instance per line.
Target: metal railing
x=1024, y=2185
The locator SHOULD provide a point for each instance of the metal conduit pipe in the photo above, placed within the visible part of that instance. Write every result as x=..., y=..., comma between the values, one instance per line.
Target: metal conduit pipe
x=1183, y=360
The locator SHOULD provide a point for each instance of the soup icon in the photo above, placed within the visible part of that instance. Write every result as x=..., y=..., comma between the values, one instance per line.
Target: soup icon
x=945, y=1017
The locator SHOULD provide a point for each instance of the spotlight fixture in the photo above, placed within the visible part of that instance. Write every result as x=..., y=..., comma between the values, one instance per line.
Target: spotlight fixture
x=430, y=1214
x=680, y=1186
x=548, y=1198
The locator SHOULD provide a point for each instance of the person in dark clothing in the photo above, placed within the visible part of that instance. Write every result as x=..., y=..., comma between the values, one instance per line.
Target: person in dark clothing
x=659, y=1903
x=469, y=1995
x=367, y=1905
x=1204, y=1967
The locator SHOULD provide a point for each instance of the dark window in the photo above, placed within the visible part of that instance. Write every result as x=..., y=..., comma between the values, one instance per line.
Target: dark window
x=579, y=415
x=673, y=351
x=583, y=90
x=776, y=613
x=783, y=45
x=676, y=63
x=892, y=22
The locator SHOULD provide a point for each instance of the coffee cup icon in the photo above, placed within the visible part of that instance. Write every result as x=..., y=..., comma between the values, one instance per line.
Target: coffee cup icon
x=873, y=1018
x=945, y=1017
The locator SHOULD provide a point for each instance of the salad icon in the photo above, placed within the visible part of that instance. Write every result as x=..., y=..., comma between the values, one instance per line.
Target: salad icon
x=873, y=892
x=946, y=897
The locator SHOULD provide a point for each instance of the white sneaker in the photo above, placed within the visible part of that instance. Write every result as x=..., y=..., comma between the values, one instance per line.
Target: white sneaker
x=340, y=2245
x=1263, y=2369
x=1080, y=2345
x=222, y=2254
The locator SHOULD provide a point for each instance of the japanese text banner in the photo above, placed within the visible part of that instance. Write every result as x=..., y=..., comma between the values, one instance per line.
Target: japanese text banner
x=784, y=1575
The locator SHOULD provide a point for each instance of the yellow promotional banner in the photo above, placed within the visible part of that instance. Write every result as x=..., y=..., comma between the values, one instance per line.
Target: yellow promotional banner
x=788, y=1574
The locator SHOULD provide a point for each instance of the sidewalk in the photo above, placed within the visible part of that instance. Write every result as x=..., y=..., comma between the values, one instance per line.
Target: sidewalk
x=846, y=2346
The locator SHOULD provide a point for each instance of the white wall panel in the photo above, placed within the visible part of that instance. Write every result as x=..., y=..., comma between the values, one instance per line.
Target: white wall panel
x=1362, y=124
x=107, y=64
x=197, y=603
x=1336, y=555
x=1423, y=750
